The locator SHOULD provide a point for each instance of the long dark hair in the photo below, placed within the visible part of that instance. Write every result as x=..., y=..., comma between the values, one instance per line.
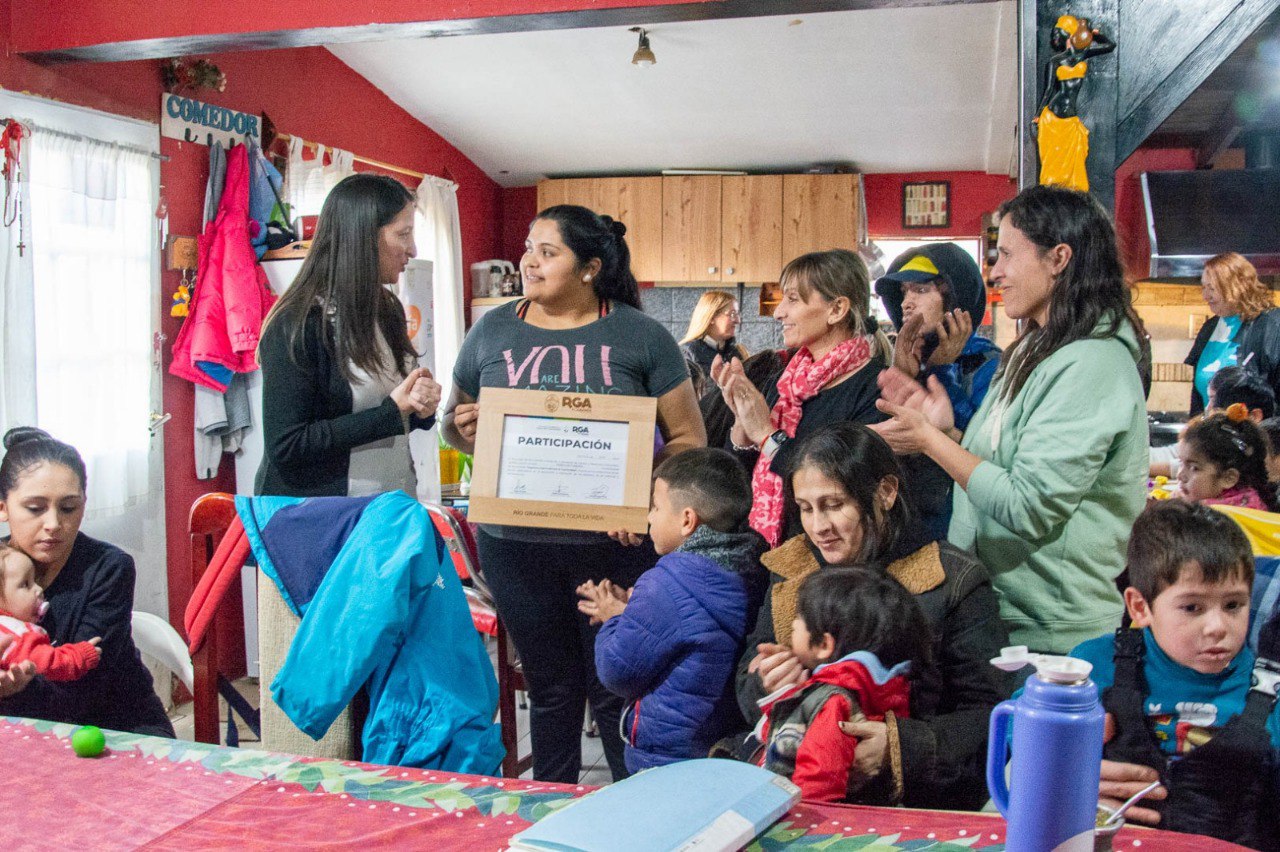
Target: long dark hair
x=26, y=446
x=857, y=458
x=1090, y=289
x=340, y=277
x=590, y=235
x=1238, y=445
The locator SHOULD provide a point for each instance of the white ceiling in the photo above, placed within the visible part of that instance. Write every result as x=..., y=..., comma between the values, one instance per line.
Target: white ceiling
x=891, y=90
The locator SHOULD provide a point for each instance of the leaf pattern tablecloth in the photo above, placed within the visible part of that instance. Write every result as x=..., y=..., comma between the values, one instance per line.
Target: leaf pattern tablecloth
x=172, y=794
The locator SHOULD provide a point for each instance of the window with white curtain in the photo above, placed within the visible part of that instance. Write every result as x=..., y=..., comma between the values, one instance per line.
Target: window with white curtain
x=91, y=207
x=438, y=238
x=79, y=278
x=307, y=182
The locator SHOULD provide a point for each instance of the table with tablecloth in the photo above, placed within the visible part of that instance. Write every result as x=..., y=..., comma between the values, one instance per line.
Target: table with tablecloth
x=173, y=794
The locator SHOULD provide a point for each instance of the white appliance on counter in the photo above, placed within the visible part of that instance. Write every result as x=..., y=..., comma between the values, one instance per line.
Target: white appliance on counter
x=415, y=290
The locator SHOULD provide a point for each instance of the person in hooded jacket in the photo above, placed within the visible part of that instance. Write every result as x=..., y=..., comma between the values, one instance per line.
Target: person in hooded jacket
x=936, y=297
x=670, y=647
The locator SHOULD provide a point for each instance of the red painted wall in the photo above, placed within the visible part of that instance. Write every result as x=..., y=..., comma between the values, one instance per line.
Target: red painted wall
x=519, y=206
x=307, y=92
x=1131, y=218
x=40, y=25
x=972, y=194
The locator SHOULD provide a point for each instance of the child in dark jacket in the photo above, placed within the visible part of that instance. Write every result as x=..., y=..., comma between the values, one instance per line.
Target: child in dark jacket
x=670, y=646
x=859, y=632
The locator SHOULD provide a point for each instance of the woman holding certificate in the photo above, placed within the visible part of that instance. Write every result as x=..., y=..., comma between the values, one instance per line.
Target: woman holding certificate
x=579, y=329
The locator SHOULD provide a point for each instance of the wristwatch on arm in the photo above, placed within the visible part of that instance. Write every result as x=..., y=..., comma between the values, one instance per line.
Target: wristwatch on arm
x=774, y=443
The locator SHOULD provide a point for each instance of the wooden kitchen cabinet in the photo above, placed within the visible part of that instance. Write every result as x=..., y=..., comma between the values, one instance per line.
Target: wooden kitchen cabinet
x=551, y=193
x=750, y=228
x=634, y=201
x=691, y=228
x=819, y=212
x=719, y=228
x=637, y=203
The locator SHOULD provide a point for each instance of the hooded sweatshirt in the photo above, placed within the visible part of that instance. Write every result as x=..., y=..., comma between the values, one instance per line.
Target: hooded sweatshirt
x=674, y=649
x=801, y=726
x=969, y=376
x=1063, y=478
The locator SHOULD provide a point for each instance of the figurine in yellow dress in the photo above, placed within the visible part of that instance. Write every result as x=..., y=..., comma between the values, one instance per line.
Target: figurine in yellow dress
x=1062, y=138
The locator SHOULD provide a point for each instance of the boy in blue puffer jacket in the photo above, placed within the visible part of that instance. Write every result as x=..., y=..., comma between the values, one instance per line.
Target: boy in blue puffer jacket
x=670, y=645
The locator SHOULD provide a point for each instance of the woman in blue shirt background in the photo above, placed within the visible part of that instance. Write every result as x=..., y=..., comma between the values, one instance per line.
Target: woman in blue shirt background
x=1244, y=328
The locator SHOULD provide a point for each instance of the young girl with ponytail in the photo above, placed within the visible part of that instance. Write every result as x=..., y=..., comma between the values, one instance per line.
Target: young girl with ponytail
x=1224, y=460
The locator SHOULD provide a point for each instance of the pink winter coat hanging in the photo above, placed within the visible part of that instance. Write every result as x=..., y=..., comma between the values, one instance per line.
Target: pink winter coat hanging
x=220, y=336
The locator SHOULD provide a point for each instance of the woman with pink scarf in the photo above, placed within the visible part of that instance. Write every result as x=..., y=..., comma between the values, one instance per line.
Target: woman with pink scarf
x=839, y=351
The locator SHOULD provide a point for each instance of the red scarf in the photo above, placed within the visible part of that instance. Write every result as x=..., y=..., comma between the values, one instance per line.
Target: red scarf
x=803, y=379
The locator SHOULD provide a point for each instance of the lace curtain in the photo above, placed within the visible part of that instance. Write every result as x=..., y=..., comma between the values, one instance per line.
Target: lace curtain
x=307, y=182
x=91, y=212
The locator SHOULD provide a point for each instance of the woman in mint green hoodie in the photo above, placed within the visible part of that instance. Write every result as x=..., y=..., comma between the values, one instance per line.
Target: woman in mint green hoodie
x=1052, y=468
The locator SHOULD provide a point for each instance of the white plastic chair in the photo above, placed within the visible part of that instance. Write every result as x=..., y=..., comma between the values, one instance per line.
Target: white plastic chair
x=156, y=638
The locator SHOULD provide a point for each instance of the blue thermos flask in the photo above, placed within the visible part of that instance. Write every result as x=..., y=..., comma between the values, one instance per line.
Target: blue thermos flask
x=1051, y=798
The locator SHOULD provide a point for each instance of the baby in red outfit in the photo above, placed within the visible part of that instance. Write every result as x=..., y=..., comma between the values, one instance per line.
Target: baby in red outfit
x=22, y=604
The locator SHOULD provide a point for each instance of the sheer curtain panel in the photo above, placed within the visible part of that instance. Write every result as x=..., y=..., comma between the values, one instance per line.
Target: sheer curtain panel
x=438, y=235
x=307, y=182
x=17, y=310
x=92, y=223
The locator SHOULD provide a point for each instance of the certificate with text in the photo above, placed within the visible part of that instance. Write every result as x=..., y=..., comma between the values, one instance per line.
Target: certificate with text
x=566, y=461
x=563, y=461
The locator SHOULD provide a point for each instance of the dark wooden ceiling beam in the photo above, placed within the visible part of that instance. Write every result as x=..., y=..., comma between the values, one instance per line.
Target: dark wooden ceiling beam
x=195, y=43
x=1199, y=62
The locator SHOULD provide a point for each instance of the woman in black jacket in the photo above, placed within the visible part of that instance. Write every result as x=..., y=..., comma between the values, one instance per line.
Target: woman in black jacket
x=1244, y=328
x=845, y=484
x=711, y=330
x=341, y=388
x=88, y=585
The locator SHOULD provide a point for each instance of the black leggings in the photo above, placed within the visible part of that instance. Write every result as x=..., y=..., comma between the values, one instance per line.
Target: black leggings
x=533, y=585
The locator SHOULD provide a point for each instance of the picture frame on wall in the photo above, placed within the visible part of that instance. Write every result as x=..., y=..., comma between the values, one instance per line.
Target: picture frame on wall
x=926, y=204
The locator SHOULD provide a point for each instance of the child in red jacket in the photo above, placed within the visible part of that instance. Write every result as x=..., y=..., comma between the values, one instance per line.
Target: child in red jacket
x=21, y=605
x=859, y=632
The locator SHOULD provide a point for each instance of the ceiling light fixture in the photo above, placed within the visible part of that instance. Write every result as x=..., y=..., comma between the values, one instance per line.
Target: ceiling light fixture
x=644, y=54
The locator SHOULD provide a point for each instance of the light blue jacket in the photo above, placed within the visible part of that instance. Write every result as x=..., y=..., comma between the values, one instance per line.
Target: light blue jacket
x=386, y=610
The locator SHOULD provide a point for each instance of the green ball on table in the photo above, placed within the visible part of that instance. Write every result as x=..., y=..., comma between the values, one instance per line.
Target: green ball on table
x=88, y=741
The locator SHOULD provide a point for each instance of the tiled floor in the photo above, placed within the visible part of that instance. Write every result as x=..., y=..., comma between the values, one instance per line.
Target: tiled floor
x=594, y=768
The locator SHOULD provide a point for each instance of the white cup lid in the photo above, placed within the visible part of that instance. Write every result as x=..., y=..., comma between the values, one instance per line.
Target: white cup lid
x=1049, y=667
